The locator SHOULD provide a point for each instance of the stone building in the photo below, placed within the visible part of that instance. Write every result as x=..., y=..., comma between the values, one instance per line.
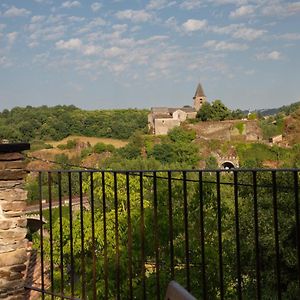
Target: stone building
x=162, y=119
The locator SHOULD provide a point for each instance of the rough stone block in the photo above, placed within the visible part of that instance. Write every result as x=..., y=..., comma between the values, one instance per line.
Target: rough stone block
x=12, y=174
x=11, y=184
x=7, y=223
x=15, y=194
x=12, y=223
x=4, y=165
x=15, y=268
x=9, y=246
x=11, y=156
x=13, y=234
x=14, y=206
x=6, y=285
x=16, y=257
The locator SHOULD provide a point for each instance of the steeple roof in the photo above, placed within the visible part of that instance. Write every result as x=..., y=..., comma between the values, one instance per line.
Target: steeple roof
x=199, y=91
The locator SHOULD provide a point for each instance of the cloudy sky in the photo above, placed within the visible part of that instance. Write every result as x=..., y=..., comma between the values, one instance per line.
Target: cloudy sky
x=135, y=53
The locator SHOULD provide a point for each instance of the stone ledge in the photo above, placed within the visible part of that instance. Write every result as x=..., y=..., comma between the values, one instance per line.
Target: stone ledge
x=12, y=174
x=14, y=147
x=13, y=258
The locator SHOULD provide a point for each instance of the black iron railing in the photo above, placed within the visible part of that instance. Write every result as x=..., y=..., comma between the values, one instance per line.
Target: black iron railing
x=127, y=234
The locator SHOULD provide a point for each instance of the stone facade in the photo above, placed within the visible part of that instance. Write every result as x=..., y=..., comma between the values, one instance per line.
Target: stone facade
x=163, y=119
x=13, y=229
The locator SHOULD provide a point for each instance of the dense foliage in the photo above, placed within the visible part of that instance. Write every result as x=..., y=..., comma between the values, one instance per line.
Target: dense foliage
x=55, y=123
x=217, y=111
x=123, y=222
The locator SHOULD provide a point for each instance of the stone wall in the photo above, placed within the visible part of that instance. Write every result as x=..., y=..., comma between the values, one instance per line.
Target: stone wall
x=12, y=221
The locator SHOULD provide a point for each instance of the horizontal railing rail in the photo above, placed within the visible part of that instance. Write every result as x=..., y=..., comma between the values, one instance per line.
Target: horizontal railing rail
x=126, y=234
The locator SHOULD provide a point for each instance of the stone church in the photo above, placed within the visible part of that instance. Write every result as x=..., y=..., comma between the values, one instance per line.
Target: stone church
x=162, y=119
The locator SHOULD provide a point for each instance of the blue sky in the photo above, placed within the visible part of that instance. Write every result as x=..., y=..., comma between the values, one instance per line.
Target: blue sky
x=126, y=54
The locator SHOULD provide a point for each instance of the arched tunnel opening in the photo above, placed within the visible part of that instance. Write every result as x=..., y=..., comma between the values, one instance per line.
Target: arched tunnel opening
x=227, y=165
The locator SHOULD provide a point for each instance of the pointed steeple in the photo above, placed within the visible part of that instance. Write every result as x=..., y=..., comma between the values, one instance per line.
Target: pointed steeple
x=199, y=97
x=199, y=92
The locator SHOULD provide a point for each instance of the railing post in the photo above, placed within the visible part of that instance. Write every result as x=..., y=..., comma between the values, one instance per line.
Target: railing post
x=12, y=221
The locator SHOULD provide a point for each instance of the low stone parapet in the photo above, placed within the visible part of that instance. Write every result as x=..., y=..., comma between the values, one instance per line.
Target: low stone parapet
x=13, y=222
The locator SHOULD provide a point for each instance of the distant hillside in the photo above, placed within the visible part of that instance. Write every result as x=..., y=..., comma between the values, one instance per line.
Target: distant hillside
x=56, y=123
x=286, y=109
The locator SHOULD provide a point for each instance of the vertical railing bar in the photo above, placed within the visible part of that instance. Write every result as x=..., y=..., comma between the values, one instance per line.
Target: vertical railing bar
x=156, y=240
x=71, y=232
x=117, y=236
x=50, y=232
x=171, y=236
x=83, y=275
x=220, y=235
x=104, y=236
x=61, y=234
x=237, y=235
x=256, y=236
x=142, y=231
x=186, y=232
x=296, y=189
x=41, y=235
x=129, y=245
x=93, y=234
x=276, y=233
x=203, y=269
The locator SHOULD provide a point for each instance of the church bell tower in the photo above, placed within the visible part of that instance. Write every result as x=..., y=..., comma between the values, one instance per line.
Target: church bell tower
x=199, y=97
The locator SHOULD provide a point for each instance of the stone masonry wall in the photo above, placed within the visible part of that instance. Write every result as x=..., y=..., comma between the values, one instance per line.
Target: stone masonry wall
x=12, y=222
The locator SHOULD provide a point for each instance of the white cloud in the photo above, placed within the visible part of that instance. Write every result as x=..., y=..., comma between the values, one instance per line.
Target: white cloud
x=191, y=4
x=194, y=25
x=274, y=55
x=2, y=26
x=248, y=34
x=11, y=37
x=224, y=46
x=239, y=31
x=136, y=16
x=91, y=50
x=36, y=19
x=289, y=36
x=92, y=25
x=72, y=44
x=113, y=52
x=159, y=4
x=282, y=9
x=242, y=11
x=96, y=6
x=16, y=12
x=71, y=4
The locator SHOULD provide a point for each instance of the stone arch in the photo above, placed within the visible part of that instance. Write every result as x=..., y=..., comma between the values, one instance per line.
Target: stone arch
x=227, y=164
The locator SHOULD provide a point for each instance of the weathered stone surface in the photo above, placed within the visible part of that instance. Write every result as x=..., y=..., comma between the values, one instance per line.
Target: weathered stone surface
x=9, y=246
x=11, y=184
x=10, y=195
x=14, y=206
x=13, y=234
x=11, y=156
x=4, y=165
x=7, y=223
x=16, y=257
x=17, y=294
x=22, y=222
x=15, y=268
x=10, y=276
x=13, y=214
x=12, y=174
x=12, y=223
x=6, y=285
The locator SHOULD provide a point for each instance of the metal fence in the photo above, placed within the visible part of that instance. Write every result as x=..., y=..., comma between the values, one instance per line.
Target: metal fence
x=126, y=234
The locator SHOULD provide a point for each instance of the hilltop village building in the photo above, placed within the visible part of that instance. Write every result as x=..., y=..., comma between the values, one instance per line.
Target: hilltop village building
x=162, y=119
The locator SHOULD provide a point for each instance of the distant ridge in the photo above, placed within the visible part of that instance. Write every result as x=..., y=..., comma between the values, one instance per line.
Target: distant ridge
x=287, y=109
